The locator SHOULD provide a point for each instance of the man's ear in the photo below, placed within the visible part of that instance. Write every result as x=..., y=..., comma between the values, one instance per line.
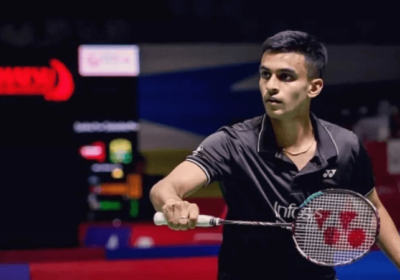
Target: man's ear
x=315, y=87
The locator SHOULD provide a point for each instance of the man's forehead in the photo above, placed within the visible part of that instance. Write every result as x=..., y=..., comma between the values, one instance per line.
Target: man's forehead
x=276, y=61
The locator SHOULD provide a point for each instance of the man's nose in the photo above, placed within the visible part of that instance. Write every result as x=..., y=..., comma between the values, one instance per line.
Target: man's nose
x=272, y=85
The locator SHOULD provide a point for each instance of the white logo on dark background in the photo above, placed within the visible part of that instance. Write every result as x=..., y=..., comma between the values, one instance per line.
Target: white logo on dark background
x=329, y=173
x=285, y=212
x=199, y=149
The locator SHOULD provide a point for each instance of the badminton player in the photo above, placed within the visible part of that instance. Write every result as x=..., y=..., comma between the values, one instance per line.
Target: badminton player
x=270, y=164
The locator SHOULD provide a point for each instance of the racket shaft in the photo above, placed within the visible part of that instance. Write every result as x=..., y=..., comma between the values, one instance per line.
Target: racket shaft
x=250, y=223
x=210, y=221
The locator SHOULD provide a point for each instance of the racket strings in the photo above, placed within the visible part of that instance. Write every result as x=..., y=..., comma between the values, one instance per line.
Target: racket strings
x=335, y=228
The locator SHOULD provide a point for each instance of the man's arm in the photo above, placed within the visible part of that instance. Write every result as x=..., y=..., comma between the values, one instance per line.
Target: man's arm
x=389, y=239
x=168, y=194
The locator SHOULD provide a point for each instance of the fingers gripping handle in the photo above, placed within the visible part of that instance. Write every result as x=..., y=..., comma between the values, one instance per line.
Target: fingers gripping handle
x=202, y=220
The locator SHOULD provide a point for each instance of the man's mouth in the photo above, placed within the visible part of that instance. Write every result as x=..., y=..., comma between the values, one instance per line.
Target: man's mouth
x=273, y=100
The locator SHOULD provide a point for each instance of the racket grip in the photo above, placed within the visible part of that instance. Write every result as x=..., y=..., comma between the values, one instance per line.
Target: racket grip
x=202, y=220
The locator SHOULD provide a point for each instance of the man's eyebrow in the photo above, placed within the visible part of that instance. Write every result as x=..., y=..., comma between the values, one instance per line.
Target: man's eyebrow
x=289, y=70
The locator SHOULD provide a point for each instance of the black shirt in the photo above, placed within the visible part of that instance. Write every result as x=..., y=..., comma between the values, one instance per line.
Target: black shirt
x=260, y=183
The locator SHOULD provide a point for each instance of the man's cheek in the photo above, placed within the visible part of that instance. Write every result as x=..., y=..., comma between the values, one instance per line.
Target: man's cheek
x=296, y=97
x=260, y=84
x=296, y=94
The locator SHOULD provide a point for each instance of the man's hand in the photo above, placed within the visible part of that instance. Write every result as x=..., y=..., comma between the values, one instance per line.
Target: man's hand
x=181, y=215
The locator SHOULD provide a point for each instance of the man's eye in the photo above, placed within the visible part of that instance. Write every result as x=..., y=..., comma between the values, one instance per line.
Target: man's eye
x=265, y=75
x=286, y=77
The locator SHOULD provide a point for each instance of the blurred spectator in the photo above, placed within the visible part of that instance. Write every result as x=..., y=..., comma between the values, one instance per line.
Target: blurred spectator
x=376, y=128
x=345, y=119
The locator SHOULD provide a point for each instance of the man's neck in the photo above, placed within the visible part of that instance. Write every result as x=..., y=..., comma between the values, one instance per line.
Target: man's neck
x=293, y=132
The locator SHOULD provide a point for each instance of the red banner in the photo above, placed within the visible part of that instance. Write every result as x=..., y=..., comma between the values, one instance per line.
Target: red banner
x=54, y=83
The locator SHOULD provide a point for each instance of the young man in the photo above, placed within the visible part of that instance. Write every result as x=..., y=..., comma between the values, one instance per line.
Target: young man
x=270, y=164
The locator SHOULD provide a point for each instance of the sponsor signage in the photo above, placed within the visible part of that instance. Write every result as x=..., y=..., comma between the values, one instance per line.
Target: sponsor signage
x=53, y=82
x=95, y=151
x=108, y=60
x=121, y=151
x=106, y=127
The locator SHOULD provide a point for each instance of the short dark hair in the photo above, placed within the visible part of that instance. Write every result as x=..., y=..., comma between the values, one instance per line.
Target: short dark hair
x=315, y=53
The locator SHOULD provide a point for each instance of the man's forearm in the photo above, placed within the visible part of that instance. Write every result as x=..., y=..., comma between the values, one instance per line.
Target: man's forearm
x=389, y=239
x=162, y=192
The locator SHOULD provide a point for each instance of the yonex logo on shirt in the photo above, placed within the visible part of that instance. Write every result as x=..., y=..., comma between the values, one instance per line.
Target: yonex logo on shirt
x=329, y=173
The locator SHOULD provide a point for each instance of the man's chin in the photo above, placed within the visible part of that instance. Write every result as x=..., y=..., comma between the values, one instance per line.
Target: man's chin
x=276, y=114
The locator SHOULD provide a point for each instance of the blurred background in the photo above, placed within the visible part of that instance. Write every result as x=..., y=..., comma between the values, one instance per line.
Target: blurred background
x=98, y=103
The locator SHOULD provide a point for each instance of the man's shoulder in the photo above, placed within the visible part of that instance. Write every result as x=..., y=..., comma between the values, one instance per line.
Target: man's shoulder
x=247, y=125
x=341, y=135
x=245, y=132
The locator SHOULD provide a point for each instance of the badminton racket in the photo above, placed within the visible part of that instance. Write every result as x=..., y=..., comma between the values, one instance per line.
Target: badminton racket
x=332, y=227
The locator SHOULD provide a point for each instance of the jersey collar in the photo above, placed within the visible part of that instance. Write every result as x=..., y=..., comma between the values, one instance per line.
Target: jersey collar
x=327, y=147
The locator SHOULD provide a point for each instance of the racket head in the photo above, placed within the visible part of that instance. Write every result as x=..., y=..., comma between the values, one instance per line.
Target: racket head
x=335, y=227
